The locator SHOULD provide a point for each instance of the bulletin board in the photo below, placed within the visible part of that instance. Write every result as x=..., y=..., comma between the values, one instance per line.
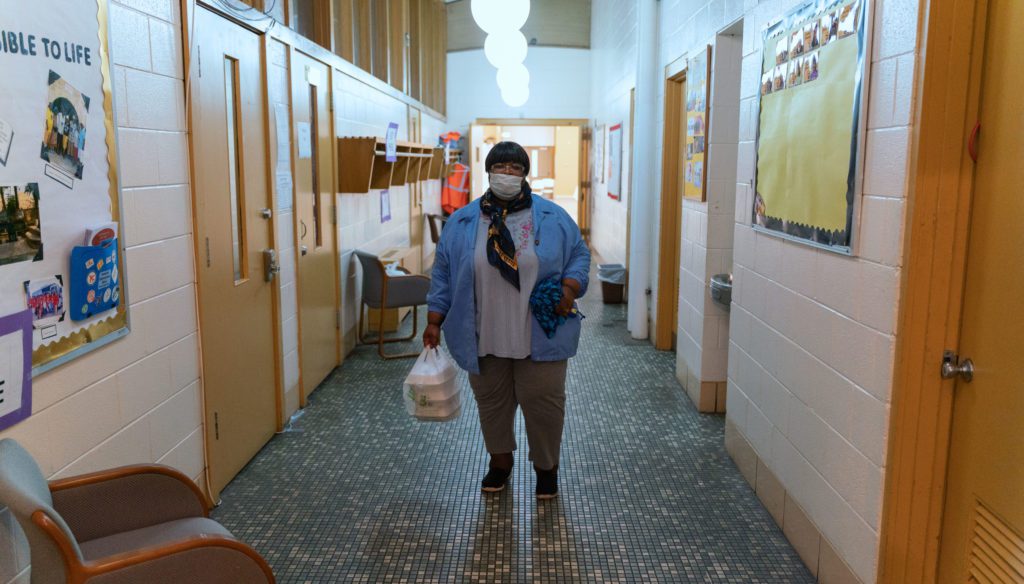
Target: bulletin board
x=811, y=123
x=61, y=250
x=698, y=118
x=615, y=162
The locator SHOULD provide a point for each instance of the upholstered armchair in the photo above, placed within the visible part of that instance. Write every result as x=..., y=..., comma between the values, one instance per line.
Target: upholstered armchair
x=135, y=524
x=383, y=291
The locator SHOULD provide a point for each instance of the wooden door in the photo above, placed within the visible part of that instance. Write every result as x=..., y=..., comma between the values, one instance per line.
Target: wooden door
x=583, y=201
x=416, y=221
x=233, y=234
x=671, y=215
x=315, y=221
x=983, y=521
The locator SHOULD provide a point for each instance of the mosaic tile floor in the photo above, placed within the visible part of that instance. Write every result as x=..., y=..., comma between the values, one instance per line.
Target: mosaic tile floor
x=359, y=492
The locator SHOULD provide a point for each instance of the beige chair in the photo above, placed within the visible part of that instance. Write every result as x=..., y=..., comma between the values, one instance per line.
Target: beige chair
x=382, y=291
x=134, y=524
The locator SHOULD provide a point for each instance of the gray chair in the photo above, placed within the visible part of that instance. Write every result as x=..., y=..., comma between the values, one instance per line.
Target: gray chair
x=382, y=291
x=143, y=523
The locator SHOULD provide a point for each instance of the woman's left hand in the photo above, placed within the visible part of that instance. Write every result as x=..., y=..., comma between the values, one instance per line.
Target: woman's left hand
x=565, y=306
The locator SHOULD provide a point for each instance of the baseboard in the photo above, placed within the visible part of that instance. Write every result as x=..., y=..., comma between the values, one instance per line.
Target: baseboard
x=817, y=553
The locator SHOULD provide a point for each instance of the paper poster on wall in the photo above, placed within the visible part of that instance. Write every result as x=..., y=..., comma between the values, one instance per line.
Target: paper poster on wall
x=615, y=162
x=385, y=206
x=698, y=118
x=15, y=368
x=6, y=137
x=391, y=143
x=304, y=139
x=811, y=123
x=59, y=177
x=599, y=162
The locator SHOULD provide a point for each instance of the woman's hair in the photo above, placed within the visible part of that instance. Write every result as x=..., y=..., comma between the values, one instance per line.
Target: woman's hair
x=507, y=152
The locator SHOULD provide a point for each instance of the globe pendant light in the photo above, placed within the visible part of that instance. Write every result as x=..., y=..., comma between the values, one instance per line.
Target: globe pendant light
x=505, y=48
x=513, y=76
x=516, y=96
x=497, y=15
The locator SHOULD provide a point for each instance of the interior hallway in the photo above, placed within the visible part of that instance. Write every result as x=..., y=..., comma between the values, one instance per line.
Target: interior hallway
x=358, y=491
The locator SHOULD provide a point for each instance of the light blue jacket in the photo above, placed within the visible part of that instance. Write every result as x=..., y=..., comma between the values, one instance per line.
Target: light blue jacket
x=561, y=252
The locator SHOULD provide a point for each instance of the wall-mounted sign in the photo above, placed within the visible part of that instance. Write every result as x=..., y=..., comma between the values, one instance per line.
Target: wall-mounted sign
x=812, y=120
x=391, y=143
x=15, y=368
x=615, y=162
x=385, y=206
x=698, y=118
x=58, y=172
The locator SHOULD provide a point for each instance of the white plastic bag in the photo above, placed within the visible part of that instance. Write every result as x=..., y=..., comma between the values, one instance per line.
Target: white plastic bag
x=431, y=391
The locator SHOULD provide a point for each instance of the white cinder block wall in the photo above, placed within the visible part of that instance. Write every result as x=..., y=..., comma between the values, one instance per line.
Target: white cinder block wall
x=613, y=42
x=137, y=400
x=279, y=103
x=702, y=339
x=812, y=333
x=361, y=110
x=559, y=86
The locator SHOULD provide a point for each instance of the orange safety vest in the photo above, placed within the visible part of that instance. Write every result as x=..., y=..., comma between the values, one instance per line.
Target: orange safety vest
x=455, y=193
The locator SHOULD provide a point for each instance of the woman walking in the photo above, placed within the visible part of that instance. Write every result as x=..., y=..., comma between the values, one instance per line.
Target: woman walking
x=493, y=256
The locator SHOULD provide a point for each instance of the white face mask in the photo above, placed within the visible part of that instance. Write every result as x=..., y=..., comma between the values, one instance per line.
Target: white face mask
x=505, y=186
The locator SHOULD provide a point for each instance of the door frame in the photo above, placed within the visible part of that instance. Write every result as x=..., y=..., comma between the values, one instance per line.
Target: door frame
x=670, y=218
x=583, y=174
x=951, y=40
x=188, y=34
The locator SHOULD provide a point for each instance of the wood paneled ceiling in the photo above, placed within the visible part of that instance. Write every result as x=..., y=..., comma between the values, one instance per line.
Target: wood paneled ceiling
x=552, y=23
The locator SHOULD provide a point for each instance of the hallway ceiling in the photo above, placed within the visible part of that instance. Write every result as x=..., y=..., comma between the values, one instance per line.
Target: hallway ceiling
x=565, y=23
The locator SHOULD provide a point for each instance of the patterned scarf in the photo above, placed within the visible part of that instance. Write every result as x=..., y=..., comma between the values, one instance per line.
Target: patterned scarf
x=501, y=248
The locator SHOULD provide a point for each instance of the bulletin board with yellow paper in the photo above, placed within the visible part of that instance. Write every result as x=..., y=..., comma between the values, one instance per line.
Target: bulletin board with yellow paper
x=811, y=123
x=698, y=118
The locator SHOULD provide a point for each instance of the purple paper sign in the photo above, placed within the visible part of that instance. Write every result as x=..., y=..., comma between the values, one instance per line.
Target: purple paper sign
x=385, y=207
x=15, y=368
x=391, y=143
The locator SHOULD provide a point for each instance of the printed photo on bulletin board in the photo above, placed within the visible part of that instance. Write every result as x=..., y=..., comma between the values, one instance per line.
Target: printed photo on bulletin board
x=698, y=117
x=615, y=162
x=811, y=123
x=61, y=259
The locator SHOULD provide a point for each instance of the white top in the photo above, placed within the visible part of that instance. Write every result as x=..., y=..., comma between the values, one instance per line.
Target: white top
x=503, y=313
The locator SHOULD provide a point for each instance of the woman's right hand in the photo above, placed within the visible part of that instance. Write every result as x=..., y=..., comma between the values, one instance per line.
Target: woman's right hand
x=432, y=336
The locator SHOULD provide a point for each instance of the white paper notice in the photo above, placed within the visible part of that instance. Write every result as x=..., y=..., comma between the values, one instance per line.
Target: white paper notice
x=305, y=138
x=284, y=143
x=6, y=136
x=12, y=358
x=284, y=189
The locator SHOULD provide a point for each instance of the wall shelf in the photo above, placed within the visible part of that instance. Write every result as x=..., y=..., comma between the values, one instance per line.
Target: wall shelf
x=364, y=167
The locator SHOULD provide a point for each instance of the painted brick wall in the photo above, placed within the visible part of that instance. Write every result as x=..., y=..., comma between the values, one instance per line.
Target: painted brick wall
x=613, y=42
x=137, y=400
x=812, y=332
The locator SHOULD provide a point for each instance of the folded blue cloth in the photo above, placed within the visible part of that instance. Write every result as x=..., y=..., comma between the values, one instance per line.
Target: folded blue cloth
x=544, y=301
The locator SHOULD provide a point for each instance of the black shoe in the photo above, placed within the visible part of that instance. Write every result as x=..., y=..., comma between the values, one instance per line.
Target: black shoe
x=547, y=483
x=495, y=479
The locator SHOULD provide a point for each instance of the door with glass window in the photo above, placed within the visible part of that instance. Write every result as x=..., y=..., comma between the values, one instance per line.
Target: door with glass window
x=235, y=262
x=315, y=221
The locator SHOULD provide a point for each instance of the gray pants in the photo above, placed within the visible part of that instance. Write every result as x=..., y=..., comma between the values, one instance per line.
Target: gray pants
x=537, y=386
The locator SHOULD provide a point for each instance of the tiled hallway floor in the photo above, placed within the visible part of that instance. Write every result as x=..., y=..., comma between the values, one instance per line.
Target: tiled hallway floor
x=359, y=492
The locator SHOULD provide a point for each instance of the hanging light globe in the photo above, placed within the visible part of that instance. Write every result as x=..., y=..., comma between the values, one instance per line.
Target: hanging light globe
x=505, y=48
x=516, y=96
x=514, y=13
x=487, y=14
x=513, y=76
x=497, y=15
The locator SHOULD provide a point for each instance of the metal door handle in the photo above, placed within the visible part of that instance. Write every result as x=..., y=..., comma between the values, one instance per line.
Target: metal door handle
x=271, y=267
x=303, y=249
x=952, y=367
x=266, y=213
